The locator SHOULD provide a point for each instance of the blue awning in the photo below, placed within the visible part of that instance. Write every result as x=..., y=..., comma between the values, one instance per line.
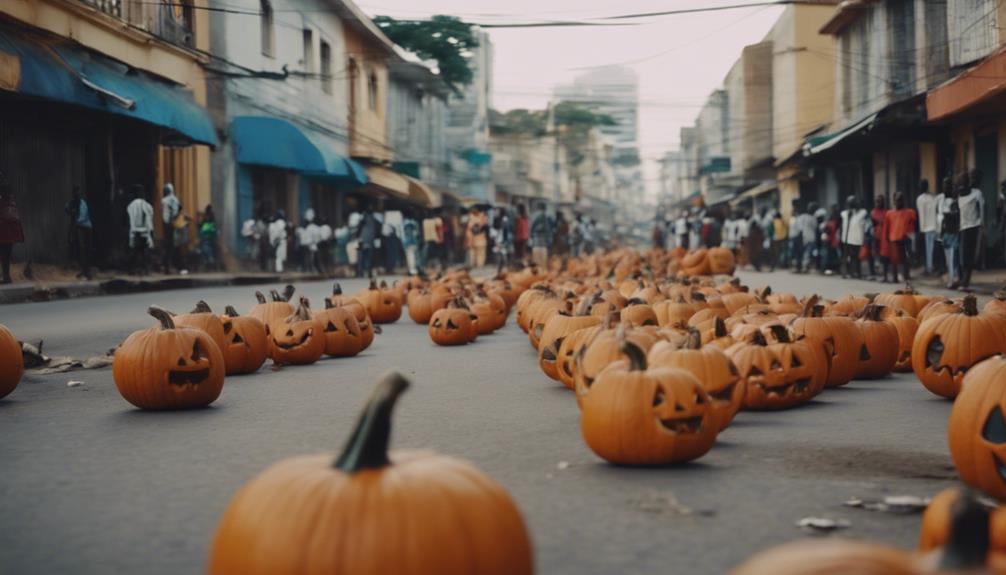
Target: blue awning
x=277, y=143
x=62, y=71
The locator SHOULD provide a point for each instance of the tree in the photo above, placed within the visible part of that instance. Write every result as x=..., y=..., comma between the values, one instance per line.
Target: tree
x=446, y=39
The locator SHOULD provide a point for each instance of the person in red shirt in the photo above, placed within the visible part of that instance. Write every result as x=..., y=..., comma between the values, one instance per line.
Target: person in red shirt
x=899, y=224
x=522, y=231
x=880, y=245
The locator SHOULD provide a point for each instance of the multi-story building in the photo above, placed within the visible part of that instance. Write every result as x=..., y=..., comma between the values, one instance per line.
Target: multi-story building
x=468, y=126
x=102, y=96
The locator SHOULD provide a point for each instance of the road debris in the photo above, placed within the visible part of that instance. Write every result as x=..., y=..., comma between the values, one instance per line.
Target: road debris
x=898, y=504
x=823, y=524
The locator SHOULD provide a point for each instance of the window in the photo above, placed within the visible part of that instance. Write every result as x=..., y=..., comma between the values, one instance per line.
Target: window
x=266, y=21
x=308, y=50
x=372, y=91
x=326, y=67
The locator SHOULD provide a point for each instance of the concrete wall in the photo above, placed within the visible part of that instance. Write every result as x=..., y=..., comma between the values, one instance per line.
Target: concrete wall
x=416, y=120
x=368, y=124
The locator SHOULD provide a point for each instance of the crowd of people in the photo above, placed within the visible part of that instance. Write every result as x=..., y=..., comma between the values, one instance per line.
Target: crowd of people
x=941, y=233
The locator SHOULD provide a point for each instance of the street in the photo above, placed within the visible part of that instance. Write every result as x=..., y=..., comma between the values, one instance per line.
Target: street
x=92, y=485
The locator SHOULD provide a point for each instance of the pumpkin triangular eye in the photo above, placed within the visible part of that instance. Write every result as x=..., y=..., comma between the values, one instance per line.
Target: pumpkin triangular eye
x=755, y=370
x=795, y=361
x=775, y=365
x=228, y=327
x=934, y=352
x=864, y=354
x=699, y=400
x=197, y=351
x=995, y=427
x=331, y=327
x=238, y=338
x=658, y=398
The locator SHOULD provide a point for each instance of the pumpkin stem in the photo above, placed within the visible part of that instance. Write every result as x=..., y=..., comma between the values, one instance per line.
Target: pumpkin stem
x=275, y=295
x=694, y=339
x=763, y=293
x=872, y=312
x=810, y=306
x=229, y=311
x=260, y=297
x=162, y=315
x=202, y=307
x=384, y=284
x=288, y=292
x=636, y=355
x=780, y=333
x=720, y=327
x=636, y=301
x=612, y=320
x=698, y=296
x=303, y=311
x=367, y=448
x=967, y=543
x=336, y=289
x=970, y=305
x=328, y=304
x=373, y=284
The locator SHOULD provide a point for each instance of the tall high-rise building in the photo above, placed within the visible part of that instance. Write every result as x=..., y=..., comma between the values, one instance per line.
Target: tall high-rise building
x=611, y=90
x=467, y=132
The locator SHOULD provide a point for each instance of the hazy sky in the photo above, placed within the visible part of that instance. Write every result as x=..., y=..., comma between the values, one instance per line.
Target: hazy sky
x=679, y=59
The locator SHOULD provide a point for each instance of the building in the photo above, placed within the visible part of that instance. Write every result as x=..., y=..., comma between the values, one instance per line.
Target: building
x=104, y=96
x=716, y=182
x=468, y=127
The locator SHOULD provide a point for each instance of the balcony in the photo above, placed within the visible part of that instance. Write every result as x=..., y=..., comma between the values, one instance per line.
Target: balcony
x=171, y=21
x=110, y=7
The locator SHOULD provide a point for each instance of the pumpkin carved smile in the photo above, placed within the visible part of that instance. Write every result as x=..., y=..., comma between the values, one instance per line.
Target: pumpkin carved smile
x=305, y=336
x=189, y=379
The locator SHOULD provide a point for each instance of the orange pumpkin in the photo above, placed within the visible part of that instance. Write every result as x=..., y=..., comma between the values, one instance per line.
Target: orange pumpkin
x=420, y=305
x=939, y=307
x=696, y=263
x=721, y=261
x=849, y=305
x=556, y=329
x=907, y=298
x=313, y=515
x=997, y=304
x=298, y=339
x=977, y=427
x=838, y=336
x=11, y=362
x=777, y=375
x=602, y=349
x=342, y=331
x=278, y=308
x=246, y=345
x=936, y=521
x=367, y=327
x=906, y=326
x=451, y=325
x=384, y=304
x=880, y=344
x=203, y=318
x=168, y=367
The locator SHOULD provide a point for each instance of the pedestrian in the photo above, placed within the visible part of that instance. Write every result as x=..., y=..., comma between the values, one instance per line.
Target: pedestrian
x=81, y=231
x=880, y=246
x=832, y=260
x=141, y=228
x=729, y=234
x=821, y=216
x=208, y=238
x=449, y=224
x=657, y=235
x=326, y=236
x=11, y=231
x=522, y=233
x=502, y=237
x=278, y=240
x=260, y=235
x=476, y=237
x=900, y=228
x=948, y=216
x=171, y=209
x=433, y=240
x=589, y=232
x=926, y=204
x=806, y=222
x=754, y=242
x=560, y=231
x=367, y=231
x=541, y=236
x=410, y=243
x=311, y=239
x=780, y=240
x=972, y=207
x=853, y=237
x=391, y=239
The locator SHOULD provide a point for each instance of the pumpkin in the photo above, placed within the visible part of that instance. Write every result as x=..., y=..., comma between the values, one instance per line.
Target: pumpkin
x=777, y=375
x=371, y=511
x=849, y=305
x=420, y=305
x=565, y=363
x=637, y=416
x=168, y=367
x=556, y=329
x=947, y=345
x=711, y=367
x=721, y=261
x=604, y=348
x=976, y=430
x=384, y=304
x=203, y=318
x=277, y=309
x=676, y=312
x=541, y=313
x=246, y=345
x=298, y=339
x=997, y=304
x=734, y=302
x=907, y=326
x=906, y=298
x=342, y=331
x=879, y=352
x=838, y=336
x=638, y=312
x=940, y=307
x=696, y=263
x=936, y=523
x=11, y=362
x=367, y=327
x=451, y=325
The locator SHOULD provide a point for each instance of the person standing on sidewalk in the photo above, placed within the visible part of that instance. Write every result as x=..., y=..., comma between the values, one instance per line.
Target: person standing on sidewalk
x=972, y=206
x=522, y=233
x=208, y=238
x=141, y=228
x=367, y=231
x=926, y=204
x=880, y=246
x=948, y=216
x=900, y=225
x=10, y=229
x=433, y=239
x=278, y=240
x=81, y=231
x=502, y=236
x=171, y=209
x=410, y=242
x=852, y=237
x=476, y=237
x=541, y=236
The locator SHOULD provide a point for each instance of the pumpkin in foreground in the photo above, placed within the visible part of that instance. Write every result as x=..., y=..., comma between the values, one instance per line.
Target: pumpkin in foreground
x=369, y=511
x=168, y=367
x=977, y=428
x=936, y=524
x=11, y=362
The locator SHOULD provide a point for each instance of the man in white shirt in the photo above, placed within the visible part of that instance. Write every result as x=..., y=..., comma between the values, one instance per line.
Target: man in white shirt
x=170, y=209
x=277, y=239
x=926, y=205
x=972, y=205
x=851, y=236
x=141, y=227
x=681, y=231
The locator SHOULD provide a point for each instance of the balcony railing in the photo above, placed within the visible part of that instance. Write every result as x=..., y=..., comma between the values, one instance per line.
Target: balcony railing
x=170, y=20
x=111, y=7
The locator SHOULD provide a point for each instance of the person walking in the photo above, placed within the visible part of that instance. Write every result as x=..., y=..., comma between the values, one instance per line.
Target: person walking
x=900, y=228
x=278, y=240
x=948, y=216
x=502, y=236
x=880, y=246
x=476, y=237
x=541, y=236
x=208, y=238
x=852, y=237
x=141, y=228
x=754, y=241
x=926, y=204
x=11, y=231
x=831, y=236
x=81, y=231
x=410, y=243
x=806, y=223
x=657, y=235
x=972, y=207
x=367, y=231
x=522, y=233
x=780, y=239
x=171, y=209
x=433, y=239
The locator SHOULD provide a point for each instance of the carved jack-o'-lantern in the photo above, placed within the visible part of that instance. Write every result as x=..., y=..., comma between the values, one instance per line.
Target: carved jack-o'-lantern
x=342, y=332
x=639, y=416
x=383, y=303
x=906, y=298
x=838, y=337
x=451, y=325
x=367, y=327
x=298, y=339
x=879, y=352
x=278, y=308
x=977, y=427
x=203, y=318
x=603, y=348
x=556, y=329
x=167, y=367
x=246, y=345
x=947, y=345
x=777, y=375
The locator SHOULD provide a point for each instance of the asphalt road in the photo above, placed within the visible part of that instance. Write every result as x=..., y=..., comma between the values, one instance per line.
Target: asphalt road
x=90, y=485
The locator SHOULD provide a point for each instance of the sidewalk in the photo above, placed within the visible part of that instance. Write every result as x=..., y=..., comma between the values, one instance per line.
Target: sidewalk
x=46, y=290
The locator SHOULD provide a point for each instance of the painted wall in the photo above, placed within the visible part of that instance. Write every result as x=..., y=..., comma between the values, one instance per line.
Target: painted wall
x=416, y=119
x=368, y=123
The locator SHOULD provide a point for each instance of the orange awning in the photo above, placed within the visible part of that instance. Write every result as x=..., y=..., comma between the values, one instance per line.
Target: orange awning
x=970, y=88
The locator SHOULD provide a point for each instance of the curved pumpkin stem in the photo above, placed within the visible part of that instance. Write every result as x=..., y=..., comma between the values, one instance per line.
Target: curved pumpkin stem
x=694, y=339
x=367, y=448
x=229, y=311
x=260, y=298
x=274, y=294
x=763, y=293
x=636, y=355
x=873, y=312
x=162, y=315
x=720, y=327
x=336, y=289
x=967, y=543
x=970, y=305
x=202, y=307
x=780, y=333
x=373, y=284
x=384, y=284
x=288, y=292
x=810, y=306
x=636, y=301
x=303, y=311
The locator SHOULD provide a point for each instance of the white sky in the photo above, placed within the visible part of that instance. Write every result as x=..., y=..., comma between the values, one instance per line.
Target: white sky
x=679, y=59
